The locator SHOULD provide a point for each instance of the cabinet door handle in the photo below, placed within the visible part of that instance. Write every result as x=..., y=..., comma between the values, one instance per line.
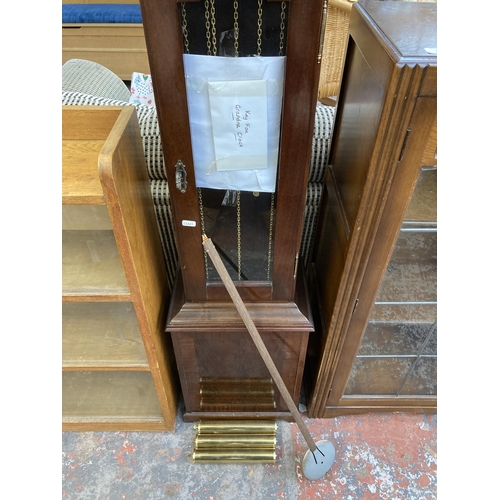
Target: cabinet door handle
x=403, y=147
x=355, y=307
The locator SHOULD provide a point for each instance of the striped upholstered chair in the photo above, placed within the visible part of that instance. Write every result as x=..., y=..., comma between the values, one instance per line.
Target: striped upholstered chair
x=89, y=83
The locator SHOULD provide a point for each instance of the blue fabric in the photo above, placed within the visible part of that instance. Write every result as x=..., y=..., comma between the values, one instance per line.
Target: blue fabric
x=101, y=13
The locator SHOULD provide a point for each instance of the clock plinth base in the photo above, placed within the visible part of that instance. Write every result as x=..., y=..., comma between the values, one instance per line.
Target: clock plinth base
x=221, y=371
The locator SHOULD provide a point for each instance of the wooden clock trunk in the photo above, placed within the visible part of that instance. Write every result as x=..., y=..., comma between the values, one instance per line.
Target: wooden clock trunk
x=257, y=233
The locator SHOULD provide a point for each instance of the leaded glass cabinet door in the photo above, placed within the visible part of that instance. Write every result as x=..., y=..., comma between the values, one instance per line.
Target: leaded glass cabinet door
x=397, y=357
x=236, y=90
x=375, y=259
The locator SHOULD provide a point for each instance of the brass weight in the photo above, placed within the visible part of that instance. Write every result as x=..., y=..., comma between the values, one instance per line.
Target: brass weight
x=235, y=441
x=234, y=456
x=237, y=427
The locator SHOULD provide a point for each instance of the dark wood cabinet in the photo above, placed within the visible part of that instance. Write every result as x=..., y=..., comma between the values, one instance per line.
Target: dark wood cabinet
x=373, y=273
x=257, y=230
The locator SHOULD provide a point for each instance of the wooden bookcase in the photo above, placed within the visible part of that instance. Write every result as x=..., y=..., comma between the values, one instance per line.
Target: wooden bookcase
x=374, y=271
x=116, y=359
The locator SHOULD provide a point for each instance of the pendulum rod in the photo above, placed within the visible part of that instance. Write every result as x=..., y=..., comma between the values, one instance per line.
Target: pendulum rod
x=313, y=466
x=259, y=343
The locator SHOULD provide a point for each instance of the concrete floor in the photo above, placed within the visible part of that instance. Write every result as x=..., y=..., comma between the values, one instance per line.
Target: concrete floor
x=378, y=456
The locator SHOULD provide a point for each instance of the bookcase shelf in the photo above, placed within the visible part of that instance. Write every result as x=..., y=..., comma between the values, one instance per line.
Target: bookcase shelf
x=102, y=336
x=116, y=359
x=92, y=264
x=124, y=398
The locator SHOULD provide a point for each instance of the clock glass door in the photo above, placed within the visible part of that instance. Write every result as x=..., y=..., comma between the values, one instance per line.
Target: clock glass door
x=234, y=61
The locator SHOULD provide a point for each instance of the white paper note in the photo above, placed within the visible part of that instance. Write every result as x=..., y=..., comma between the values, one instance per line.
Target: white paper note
x=239, y=121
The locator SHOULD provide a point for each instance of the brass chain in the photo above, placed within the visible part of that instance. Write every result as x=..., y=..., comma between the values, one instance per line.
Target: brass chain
x=259, y=29
x=271, y=223
x=238, y=229
x=282, y=27
x=236, y=28
x=207, y=26
x=185, y=27
x=211, y=35
x=202, y=221
x=200, y=197
x=238, y=199
x=214, y=32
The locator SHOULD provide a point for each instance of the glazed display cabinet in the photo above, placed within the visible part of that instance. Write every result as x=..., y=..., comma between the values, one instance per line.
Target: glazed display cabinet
x=374, y=270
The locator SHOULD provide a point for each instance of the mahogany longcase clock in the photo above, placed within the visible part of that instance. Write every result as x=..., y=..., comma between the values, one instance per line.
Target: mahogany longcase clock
x=236, y=89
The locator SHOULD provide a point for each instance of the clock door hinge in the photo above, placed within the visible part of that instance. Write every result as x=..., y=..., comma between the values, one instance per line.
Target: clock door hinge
x=296, y=266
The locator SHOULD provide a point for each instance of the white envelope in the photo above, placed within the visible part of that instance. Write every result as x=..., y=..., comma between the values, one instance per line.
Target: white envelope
x=235, y=109
x=239, y=124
